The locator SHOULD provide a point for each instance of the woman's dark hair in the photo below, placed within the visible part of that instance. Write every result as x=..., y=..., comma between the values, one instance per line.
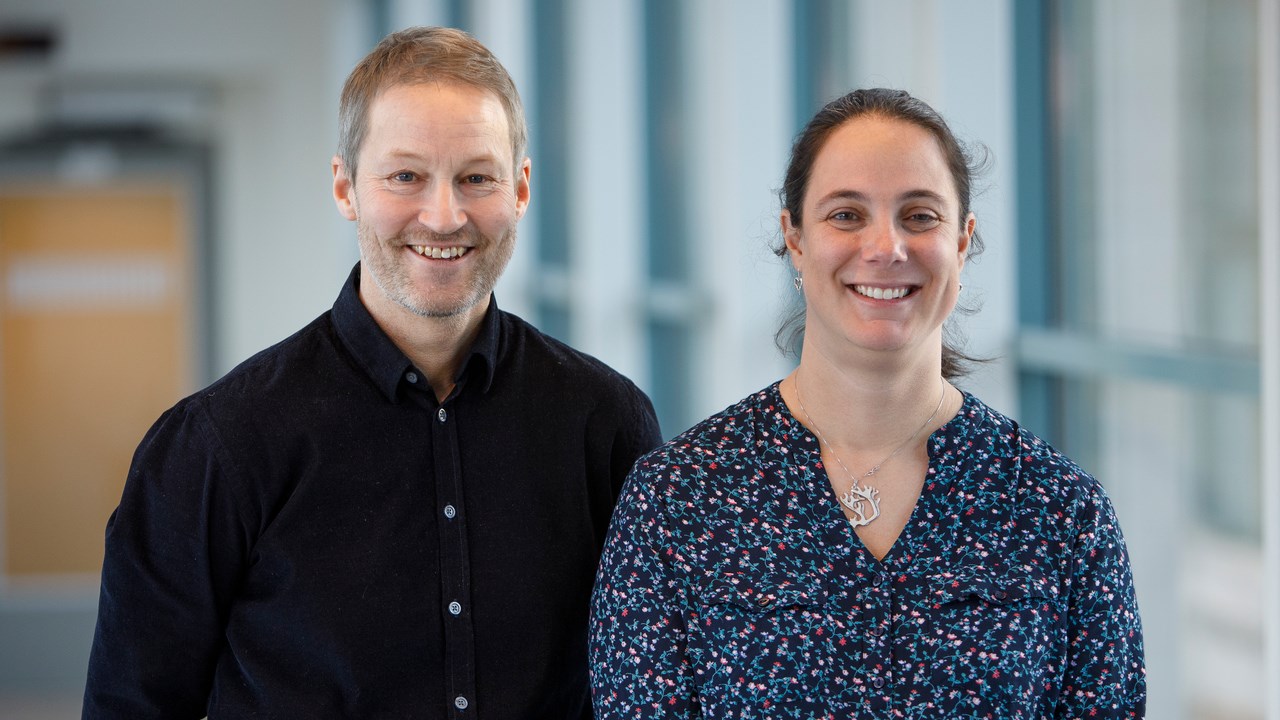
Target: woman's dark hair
x=892, y=105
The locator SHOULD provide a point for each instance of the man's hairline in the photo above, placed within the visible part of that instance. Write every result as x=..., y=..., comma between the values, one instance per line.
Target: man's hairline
x=518, y=155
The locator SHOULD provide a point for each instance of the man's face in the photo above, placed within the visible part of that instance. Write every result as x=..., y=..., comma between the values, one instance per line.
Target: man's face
x=436, y=200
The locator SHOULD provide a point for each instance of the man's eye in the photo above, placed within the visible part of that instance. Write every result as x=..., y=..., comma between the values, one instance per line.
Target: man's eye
x=404, y=176
x=477, y=179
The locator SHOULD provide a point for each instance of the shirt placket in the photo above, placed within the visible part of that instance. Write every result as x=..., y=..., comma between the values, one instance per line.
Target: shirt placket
x=878, y=607
x=455, y=585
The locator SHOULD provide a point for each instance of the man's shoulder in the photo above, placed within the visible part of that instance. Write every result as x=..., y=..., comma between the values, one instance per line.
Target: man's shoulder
x=305, y=359
x=535, y=351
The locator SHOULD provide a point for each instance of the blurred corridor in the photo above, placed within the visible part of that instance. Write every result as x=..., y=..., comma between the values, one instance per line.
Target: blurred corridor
x=165, y=212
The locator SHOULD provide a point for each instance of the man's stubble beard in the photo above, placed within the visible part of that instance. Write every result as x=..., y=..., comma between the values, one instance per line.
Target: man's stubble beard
x=397, y=286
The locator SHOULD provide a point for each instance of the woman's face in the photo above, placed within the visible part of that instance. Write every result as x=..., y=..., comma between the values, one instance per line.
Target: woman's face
x=882, y=242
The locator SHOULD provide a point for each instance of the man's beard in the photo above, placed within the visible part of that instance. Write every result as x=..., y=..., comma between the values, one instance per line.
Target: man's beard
x=396, y=284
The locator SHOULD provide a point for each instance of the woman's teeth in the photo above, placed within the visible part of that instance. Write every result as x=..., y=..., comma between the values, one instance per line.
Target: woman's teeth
x=880, y=293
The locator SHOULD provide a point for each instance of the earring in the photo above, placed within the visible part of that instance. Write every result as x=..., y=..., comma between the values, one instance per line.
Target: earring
x=798, y=281
x=961, y=287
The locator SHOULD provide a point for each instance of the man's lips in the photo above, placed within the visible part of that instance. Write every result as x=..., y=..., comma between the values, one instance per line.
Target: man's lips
x=440, y=253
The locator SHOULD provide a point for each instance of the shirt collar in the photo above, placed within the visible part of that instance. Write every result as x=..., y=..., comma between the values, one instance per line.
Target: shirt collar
x=386, y=365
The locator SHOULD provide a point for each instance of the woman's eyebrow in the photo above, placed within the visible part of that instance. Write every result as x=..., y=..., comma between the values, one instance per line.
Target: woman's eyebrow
x=854, y=195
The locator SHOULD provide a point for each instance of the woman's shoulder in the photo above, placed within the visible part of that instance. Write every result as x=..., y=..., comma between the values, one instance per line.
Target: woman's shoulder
x=994, y=443
x=746, y=432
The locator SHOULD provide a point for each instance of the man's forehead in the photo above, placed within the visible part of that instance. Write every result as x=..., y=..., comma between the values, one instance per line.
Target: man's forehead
x=480, y=93
x=467, y=107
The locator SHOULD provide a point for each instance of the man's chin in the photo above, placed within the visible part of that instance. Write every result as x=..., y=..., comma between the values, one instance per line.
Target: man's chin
x=442, y=310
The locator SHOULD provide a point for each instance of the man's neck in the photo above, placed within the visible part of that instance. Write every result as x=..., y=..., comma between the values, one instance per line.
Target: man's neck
x=437, y=346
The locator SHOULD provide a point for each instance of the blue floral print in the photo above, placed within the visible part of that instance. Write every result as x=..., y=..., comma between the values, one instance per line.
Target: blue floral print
x=731, y=585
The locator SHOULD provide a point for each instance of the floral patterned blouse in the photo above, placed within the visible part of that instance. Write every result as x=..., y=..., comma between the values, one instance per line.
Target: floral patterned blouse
x=732, y=586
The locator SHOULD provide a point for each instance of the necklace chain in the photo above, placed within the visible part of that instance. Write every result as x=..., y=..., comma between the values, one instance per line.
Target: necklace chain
x=864, y=500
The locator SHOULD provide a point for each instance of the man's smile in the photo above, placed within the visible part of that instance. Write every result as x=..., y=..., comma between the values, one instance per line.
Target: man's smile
x=440, y=253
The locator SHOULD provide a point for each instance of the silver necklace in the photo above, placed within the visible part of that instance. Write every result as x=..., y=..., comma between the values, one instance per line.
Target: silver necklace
x=864, y=500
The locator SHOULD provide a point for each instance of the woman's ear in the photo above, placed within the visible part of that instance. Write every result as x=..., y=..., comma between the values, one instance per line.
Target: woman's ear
x=791, y=237
x=966, y=236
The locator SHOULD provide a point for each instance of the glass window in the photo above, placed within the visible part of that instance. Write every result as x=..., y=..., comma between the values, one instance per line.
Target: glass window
x=549, y=105
x=1138, y=141
x=667, y=245
x=821, y=37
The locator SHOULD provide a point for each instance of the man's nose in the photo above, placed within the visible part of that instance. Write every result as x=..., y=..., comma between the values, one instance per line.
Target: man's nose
x=441, y=210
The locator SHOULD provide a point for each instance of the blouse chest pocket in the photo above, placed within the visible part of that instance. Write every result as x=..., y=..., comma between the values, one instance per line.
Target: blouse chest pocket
x=989, y=625
x=989, y=589
x=747, y=632
x=759, y=595
x=988, y=610
x=776, y=606
x=739, y=624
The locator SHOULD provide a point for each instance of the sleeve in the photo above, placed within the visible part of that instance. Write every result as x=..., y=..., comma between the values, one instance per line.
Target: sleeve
x=1105, y=675
x=175, y=549
x=638, y=640
x=638, y=433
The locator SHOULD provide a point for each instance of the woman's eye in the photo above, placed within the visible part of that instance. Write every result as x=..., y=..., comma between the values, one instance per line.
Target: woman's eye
x=844, y=216
x=923, y=219
x=404, y=176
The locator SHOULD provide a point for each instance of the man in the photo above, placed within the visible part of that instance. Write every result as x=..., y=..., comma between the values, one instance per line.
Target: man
x=397, y=511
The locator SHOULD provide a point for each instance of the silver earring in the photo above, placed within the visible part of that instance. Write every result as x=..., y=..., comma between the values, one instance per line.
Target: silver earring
x=961, y=287
x=799, y=283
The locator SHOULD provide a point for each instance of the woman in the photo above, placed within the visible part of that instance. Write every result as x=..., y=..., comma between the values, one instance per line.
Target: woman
x=862, y=539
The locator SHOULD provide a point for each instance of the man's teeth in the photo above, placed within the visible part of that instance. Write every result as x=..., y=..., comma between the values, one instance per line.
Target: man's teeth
x=881, y=293
x=440, y=253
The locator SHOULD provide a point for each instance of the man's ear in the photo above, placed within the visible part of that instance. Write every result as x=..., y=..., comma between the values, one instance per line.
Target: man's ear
x=344, y=190
x=522, y=187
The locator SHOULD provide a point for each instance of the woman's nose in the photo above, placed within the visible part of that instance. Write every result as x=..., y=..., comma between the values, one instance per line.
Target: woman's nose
x=884, y=243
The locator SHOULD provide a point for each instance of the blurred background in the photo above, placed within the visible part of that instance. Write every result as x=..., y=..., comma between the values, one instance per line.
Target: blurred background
x=165, y=211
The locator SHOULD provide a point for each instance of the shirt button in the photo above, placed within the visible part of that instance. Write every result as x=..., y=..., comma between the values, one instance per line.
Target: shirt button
x=442, y=415
x=764, y=601
x=877, y=682
x=411, y=377
x=455, y=608
x=460, y=703
x=877, y=631
x=449, y=512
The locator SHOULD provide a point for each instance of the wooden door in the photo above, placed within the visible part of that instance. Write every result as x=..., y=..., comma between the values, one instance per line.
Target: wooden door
x=95, y=342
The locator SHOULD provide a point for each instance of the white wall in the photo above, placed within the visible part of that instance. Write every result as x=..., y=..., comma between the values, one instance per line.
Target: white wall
x=265, y=87
x=255, y=82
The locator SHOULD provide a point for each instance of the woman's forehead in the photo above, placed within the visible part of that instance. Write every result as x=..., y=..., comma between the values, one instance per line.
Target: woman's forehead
x=873, y=155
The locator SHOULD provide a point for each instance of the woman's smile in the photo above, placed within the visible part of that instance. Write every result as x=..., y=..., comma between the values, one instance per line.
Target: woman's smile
x=884, y=293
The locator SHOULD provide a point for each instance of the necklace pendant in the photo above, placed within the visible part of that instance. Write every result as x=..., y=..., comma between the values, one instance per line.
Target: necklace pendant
x=864, y=502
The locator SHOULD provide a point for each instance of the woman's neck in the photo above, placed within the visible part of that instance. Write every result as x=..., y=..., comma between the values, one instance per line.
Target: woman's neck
x=867, y=409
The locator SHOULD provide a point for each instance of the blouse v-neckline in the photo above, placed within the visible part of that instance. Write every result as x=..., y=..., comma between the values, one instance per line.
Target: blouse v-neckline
x=935, y=486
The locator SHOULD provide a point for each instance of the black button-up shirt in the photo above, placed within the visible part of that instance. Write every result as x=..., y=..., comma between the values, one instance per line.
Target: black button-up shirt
x=314, y=535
